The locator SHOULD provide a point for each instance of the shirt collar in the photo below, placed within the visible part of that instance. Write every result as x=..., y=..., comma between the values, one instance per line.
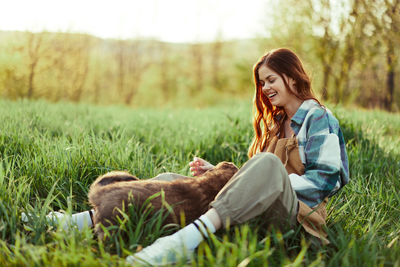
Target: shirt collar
x=301, y=113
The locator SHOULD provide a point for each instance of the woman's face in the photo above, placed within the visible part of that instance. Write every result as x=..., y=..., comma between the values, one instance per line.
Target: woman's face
x=273, y=87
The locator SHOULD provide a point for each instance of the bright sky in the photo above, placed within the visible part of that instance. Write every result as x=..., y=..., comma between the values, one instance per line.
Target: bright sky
x=168, y=20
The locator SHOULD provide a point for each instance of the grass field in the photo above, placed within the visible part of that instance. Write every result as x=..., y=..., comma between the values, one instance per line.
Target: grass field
x=51, y=153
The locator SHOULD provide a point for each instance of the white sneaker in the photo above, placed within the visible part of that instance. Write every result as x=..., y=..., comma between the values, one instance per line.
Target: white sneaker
x=165, y=250
x=53, y=216
x=25, y=217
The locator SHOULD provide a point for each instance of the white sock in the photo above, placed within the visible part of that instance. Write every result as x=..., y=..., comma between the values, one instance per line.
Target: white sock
x=82, y=218
x=191, y=235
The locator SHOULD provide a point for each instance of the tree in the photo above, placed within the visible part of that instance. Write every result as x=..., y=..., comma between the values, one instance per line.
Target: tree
x=167, y=70
x=81, y=70
x=13, y=81
x=196, y=51
x=216, y=54
x=35, y=53
x=71, y=56
x=382, y=27
x=327, y=44
x=390, y=27
x=131, y=64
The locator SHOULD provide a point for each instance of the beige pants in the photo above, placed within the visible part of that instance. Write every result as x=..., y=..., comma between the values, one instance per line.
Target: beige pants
x=260, y=187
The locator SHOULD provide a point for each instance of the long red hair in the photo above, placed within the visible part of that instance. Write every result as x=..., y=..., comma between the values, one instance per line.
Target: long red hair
x=268, y=119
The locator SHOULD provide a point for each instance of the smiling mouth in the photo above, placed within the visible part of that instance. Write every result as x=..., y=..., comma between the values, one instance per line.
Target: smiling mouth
x=272, y=95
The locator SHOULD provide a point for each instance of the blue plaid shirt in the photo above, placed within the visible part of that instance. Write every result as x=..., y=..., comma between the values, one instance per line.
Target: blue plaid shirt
x=322, y=151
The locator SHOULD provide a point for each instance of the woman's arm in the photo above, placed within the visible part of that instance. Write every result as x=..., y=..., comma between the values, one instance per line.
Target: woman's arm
x=326, y=167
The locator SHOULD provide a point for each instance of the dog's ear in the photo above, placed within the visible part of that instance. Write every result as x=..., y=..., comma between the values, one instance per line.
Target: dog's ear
x=117, y=177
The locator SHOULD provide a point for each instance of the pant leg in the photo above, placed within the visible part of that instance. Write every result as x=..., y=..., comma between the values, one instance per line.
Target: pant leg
x=169, y=176
x=261, y=186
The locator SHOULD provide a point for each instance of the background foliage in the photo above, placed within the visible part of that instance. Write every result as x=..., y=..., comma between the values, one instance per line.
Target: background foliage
x=349, y=47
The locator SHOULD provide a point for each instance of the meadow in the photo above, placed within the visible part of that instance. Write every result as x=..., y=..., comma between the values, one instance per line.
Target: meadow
x=50, y=153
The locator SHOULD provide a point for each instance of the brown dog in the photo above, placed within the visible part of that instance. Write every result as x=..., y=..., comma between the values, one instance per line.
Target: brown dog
x=192, y=196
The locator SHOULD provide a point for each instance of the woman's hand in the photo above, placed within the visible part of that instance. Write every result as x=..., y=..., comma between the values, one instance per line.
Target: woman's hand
x=199, y=166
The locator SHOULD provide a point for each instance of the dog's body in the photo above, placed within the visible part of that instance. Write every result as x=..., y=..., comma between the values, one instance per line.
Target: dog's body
x=192, y=196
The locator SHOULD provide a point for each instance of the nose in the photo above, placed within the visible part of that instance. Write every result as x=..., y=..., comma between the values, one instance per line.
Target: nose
x=264, y=88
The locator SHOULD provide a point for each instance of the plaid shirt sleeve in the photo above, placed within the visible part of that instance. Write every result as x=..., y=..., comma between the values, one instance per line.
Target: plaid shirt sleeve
x=323, y=152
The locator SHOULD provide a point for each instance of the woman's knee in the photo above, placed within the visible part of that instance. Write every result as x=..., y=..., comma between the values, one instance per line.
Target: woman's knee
x=266, y=155
x=269, y=159
x=271, y=165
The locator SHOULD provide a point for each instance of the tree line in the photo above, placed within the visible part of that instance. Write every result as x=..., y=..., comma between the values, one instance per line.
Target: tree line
x=80, y=67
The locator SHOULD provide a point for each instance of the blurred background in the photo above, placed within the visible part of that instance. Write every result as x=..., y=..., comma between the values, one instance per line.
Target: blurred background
x=196, y=52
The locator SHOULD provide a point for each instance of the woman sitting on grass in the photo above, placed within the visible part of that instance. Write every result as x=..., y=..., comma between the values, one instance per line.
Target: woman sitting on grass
x=297, y=160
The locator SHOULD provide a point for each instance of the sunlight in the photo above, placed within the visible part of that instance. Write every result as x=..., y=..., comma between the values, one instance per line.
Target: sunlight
x=173, y=20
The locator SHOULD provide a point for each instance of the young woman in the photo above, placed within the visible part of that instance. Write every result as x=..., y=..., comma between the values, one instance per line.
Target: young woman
x=297, y=160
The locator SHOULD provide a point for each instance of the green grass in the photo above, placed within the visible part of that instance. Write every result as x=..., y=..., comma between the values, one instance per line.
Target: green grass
x=51, y=153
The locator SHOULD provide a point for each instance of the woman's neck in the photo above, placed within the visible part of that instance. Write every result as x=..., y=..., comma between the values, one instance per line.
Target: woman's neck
x=292, y=108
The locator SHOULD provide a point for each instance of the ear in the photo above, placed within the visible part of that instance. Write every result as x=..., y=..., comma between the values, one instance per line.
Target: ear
x=292, y=83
